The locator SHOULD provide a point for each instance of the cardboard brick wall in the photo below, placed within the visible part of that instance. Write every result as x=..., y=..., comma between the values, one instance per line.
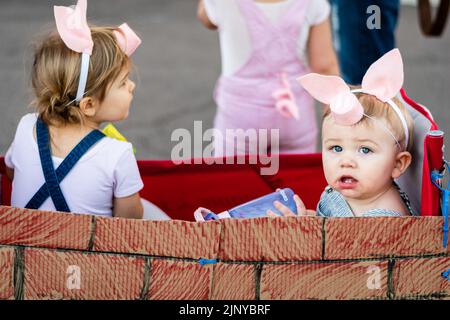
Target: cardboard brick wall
x=45, y=255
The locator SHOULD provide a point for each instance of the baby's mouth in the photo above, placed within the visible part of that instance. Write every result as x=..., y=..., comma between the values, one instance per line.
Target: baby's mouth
x=347, y=182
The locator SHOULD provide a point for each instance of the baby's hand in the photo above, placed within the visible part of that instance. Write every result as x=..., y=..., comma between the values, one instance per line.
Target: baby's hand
x=286, y=212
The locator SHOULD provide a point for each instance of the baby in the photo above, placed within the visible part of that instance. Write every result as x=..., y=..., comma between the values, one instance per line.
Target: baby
x=366, y=138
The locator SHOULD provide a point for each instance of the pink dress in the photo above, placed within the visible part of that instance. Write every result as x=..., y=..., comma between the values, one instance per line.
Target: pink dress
x=245, y=99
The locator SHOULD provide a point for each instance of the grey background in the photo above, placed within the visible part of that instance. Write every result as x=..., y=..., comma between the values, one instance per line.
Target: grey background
x=178, y=65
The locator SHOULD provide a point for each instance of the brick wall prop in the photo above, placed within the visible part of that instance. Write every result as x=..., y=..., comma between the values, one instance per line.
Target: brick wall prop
x=52, y=255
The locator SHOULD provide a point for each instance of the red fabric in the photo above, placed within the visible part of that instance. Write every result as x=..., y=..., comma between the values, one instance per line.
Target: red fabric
x=179, y=190
x=5, y=185
x=432, y=160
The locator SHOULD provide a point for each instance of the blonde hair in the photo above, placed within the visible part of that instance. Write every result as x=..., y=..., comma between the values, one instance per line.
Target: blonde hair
x=56, y=70
x=375, y=108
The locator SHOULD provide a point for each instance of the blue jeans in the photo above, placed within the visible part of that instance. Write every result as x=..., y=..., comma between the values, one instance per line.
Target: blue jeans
x=356, y=44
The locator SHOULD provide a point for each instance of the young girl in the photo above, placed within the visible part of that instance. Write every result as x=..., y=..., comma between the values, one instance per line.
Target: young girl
x=265, y=45
x=59, y=160
x=366, y=138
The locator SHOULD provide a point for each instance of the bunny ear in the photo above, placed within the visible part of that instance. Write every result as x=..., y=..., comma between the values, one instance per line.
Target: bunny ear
x=384, y=78
x=346, y=109
x=73, y=27
x=323, y=88
x=332, y=90
x=127, y=39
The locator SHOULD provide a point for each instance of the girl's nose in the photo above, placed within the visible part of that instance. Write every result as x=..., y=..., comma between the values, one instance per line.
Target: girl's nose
x=347, y=162
x=132, y=86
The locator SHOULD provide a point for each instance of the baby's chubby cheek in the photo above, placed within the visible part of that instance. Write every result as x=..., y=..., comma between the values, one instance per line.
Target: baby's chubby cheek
x=330, y=171
x=376, y=177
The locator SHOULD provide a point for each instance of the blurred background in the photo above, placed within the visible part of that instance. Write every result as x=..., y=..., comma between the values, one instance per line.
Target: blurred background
x=178, y=64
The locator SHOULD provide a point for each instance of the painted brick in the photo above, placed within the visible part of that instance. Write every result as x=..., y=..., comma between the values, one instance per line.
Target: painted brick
x=102, y=276
x=6, y=273
x=179, y=280
x=412, y=277
x=376, y=237
x=234, y=282
x=44, y=229
x=269, y=239
x=350, y=280
x=174, y=238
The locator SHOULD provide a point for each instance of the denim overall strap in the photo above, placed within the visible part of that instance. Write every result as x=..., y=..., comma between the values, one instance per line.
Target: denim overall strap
x=53, y=178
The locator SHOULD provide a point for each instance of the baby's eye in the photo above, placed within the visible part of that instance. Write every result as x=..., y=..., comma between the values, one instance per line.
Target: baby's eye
x=336, y=148
x=365, y=150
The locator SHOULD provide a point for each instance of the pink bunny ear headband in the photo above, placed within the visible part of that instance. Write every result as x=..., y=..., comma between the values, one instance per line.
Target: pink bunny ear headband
x=383, y=79
x=73, y=28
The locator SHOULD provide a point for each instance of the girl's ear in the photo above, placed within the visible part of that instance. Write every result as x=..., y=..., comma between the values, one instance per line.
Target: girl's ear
x=88, y=106
x=402, y=162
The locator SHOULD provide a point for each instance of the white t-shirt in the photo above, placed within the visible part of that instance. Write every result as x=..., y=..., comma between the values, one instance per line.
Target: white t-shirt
x=235, y=42
x=107, y=170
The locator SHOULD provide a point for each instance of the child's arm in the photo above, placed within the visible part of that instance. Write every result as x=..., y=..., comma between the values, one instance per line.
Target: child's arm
x=128, y=207
x=203, y=17
x=321, y=55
